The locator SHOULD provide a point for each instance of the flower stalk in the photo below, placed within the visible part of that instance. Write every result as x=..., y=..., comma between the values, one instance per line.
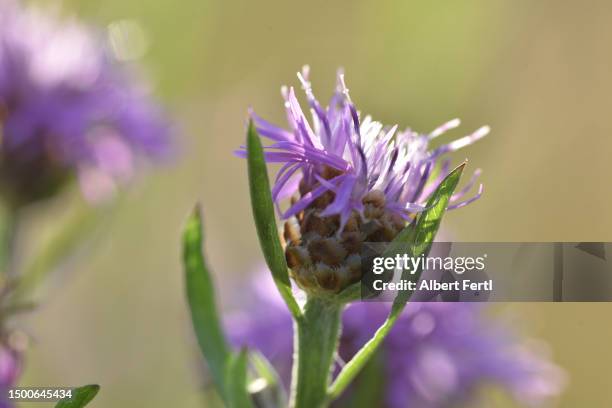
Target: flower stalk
x=8, y=233
x=316, y=341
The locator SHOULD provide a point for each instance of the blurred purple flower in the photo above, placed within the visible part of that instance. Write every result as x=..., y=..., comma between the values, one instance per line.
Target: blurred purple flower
x=436, y=356
x=352, y=157
x=66, y=106
x=10, y=370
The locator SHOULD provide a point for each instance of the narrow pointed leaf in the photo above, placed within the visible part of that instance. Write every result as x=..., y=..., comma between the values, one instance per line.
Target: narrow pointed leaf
x=266, y=389
x=201, y=299
x=418, y=240
x=264, y=368
x=265, y=222
x=81, y=396
x=238, y=395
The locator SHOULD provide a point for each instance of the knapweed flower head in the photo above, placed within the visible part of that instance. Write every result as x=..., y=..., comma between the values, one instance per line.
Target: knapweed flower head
x=67, y=107
x=351, y=180
x=438, y=355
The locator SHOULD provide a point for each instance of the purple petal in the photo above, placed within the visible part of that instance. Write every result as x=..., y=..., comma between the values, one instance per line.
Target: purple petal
x=343, y=195
x=468, y=186
x=469, y=201
x=464, y=141
x=269, y=130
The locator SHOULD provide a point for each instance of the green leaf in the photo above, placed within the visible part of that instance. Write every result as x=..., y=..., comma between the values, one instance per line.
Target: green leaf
x=266, y=388
x=265, y=222
x=418, y=238
x=80, y=397
x=238, y=396
x=263, y=368
x=201, y=298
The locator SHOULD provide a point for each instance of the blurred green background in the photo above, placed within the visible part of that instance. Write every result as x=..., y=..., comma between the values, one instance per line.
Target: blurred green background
x=537, y=72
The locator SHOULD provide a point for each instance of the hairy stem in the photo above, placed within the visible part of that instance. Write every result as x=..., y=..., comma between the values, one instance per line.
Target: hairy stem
x=316, y=342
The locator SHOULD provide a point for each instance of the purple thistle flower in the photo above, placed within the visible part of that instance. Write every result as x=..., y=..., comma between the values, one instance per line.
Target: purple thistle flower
x=436, y=356
x=353, y=157
x=352, y=180
x=67, y=107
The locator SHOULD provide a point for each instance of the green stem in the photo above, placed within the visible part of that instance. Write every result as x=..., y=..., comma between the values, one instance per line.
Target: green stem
x=316, y=342
x=70, y=237
x=7, y=241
